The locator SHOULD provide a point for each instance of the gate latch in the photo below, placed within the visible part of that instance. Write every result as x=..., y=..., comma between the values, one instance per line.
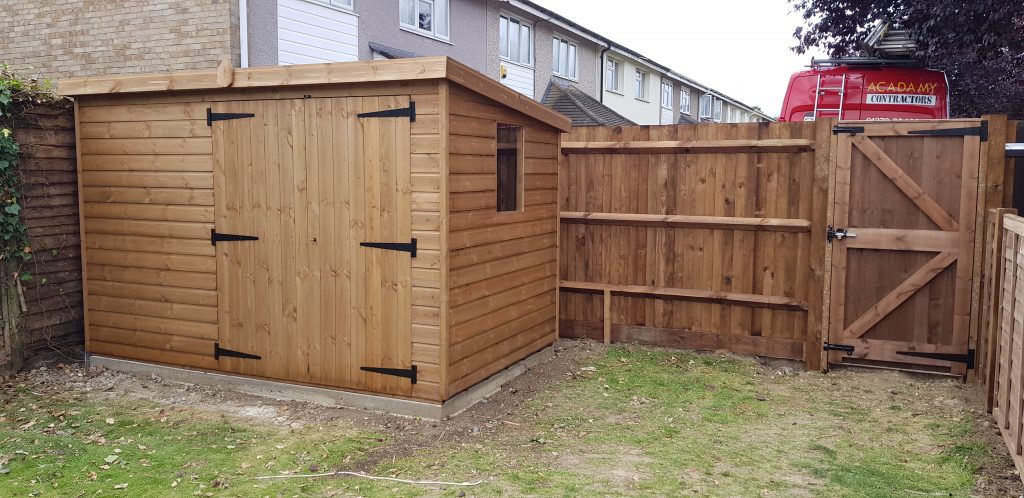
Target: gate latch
x=838, y=234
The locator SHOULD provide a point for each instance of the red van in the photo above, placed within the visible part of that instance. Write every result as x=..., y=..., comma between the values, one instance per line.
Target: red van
x=866, y=89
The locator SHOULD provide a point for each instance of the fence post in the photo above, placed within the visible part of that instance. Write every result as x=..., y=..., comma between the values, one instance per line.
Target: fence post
x=991, y=306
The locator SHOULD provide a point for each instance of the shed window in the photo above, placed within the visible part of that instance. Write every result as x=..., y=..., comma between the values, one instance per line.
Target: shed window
x=510, y=154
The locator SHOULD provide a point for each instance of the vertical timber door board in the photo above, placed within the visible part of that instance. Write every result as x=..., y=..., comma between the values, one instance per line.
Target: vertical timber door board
x=840, y=218
x=965, y=262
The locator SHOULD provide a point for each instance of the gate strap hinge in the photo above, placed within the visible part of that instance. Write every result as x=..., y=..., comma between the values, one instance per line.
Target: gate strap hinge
x=407, y=112
x=409, y=247
x=852, y=130
x=952, y=357
x=216, y=237
x=980, y=131
x=219, y=351
x=224, y=116
x=408, y=373
x=845, y=348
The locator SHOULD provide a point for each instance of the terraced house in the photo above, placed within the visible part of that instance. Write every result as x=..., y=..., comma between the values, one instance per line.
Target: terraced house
x=527, y=47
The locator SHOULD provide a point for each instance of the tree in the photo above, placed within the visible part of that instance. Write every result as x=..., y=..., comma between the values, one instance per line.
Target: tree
x=978, y=43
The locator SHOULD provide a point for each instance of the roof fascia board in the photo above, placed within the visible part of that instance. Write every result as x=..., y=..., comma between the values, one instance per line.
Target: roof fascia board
x=557, y=21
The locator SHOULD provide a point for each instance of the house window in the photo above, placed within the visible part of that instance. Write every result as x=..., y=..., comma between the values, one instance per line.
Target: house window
x=613, y=75
x=345, y=4
x=429, y=17
x=718, y=111
x=706, y=103
x=667, y=89
x=684, y=101
x=642, y=82
x=563, y=57
x=515, y=43
x=510, y=159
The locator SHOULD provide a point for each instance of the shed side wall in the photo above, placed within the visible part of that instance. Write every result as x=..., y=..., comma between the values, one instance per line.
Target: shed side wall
x=503, y=270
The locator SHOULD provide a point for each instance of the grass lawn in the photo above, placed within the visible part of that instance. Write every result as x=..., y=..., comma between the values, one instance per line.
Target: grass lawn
x=595, y=421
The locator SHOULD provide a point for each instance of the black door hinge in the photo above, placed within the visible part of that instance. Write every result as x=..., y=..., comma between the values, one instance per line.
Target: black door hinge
x=409, y=247
x=219, y=351
x=228, y=237
x=408, y=373
x=408, y=112
x=953, y=357
x=845, y=348
x=224, y=116
x=835, y=234
x=852, y=130
x=980, y=131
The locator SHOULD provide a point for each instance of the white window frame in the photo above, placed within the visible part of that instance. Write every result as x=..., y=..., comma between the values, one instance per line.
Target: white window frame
x=717, y=112
x=642, y=85
x=341, y=4
x=573, y=48
x=710, y=99
x=616, y=83
x=668, y=90
x=415, y=26
x=508, y=18
x=684, y=102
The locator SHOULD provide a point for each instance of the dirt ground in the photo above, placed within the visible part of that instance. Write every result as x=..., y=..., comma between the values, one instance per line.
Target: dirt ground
x=502, y=417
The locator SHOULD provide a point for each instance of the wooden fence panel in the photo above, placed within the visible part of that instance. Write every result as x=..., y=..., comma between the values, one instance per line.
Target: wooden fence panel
x=704, y=237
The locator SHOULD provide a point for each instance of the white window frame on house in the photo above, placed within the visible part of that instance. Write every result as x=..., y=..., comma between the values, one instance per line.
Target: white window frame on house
x=412, y=7
x=684, y=102
x=341, y=4
x=613, y=85
x=505, y=47
x=705, y=111
x=570, y=70
x=717, y=117
x=668, y=89
x=642, y=85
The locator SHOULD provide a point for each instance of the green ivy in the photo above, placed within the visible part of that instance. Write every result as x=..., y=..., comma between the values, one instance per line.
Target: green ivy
x=16, y=94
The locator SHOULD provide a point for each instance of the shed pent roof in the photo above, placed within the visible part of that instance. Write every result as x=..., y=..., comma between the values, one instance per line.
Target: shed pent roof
x=225, y=77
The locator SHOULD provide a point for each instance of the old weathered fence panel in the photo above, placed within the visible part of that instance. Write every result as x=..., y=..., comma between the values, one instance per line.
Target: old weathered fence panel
x=1007, y=372
x=52, y=318
x=704, y=237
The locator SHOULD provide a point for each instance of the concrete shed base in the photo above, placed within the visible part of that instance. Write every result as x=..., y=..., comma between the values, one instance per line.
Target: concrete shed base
x=330, y=397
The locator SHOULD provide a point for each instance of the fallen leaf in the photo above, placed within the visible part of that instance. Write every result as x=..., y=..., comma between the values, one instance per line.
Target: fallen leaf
x=92, y=476
x=111, y=458
x=121, y=486
x=110, y=421
x=175, y=483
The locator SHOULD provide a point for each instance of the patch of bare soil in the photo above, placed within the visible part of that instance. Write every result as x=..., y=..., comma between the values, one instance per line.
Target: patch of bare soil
x=487, y=420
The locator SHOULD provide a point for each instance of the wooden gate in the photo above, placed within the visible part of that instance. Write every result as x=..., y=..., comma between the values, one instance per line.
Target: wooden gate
x=313, y=180
x=906, y=200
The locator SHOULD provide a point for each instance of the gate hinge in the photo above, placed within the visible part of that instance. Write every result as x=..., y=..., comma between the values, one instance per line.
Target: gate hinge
x=845, y=348
x=216, y=237
x=219, y=351
x=852, y=130
x=224, y=116
x=980, y=131
x=409, y=247
x=409, y=112
x=408, y=373
x=953, y=357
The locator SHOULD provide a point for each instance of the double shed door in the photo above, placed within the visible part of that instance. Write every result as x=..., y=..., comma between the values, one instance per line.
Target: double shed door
x=312, y=181
x=906, y=192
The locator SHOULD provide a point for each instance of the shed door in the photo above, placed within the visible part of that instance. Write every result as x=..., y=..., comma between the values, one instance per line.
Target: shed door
x=901, y=288
x=313, y=181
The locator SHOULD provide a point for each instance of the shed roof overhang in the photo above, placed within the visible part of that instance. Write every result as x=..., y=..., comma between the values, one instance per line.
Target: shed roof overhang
x=337, y=73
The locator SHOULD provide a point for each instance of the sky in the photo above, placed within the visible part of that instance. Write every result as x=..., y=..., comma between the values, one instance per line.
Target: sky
x=738, y=47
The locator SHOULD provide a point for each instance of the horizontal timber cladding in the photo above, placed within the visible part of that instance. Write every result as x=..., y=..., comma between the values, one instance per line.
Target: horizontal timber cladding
x=147, y=190
x=709, y=236
x=147, y=203
x=502, y=280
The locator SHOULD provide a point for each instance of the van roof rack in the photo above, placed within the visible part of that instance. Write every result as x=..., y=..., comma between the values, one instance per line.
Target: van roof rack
x=865, y=61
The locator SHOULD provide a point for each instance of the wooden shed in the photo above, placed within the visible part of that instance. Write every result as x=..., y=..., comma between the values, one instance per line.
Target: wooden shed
x=385, y=227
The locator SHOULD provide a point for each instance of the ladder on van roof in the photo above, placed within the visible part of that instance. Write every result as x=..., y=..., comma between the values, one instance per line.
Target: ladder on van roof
x=819, y=92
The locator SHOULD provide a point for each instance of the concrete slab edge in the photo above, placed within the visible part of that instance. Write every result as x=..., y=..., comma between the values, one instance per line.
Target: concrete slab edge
x=329, y=397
